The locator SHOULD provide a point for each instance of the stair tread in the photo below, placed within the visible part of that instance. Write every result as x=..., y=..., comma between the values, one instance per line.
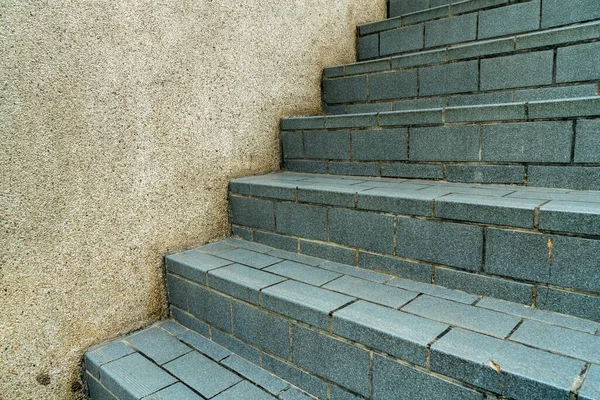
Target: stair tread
x=170, y=361
x=404, y=318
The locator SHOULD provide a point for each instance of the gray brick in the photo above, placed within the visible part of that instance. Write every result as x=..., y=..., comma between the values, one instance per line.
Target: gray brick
x=361, y=229
x=295, y=376
x=573, y=217
x=204, y=345
x=425, y=15
x=577, y=304
x=275, y=240
x=400, y=7
x=395, y=381
x=244, y=390
x=193, y=264
x=401, y=40
x=326, y=194
x=466, y=316
x=293, y=146
x=313, y=167
x=261, y=329
x=572, y=262
x=209, y=306
x=556, y=339
x=440, y=242
x=385, y=144
x=474, y=5
x=480, y=98
x=133, y=377
x=216, y=247
x=100, y=355
x=581, y=107
x=333, y=72
x=528, y=142
x=332, y=359
x=411, y=117
x=405, y=269
x=368, y=47
x=490, y=112
x=257, y=375
x=202, y=374
x=177, y=289
x=357, y=272
x=350, y=121
x=95, y=390
x=395, y=332
x=453, y=143
x=302, y=123
x=567, y=34
x=552, y=93
x=335, y=110
x=329, y=252
x=256, y=213
x=585, y=56
x=345, y=90
x=189, y=321
x=341, y=394
x=294, y=394
x=511, y=19
x=371, y=291
x=396, y=201
x=393, y=85
x=250, y=258
x=173, y=327
x=449, y=78
x=488, y=209
x=418, y=104
x=378, y=26
x=481, y=48
x=241, y=282
x=158, y=345
x=297, y=257
x=591, y=386
x=438, y=3
x=484, y=285
x=554, y=12
x=247, y=245
x=528, y=69
x=354, y=168
x=367, y=67
x=303, y=273
x=303, y=302
x=486, y=173
x=539, y=315
x=302, y=220
x=236, y=346
x=418, y=59
x=327, y=145
x=243, y=233
x=264, y=188
x=526, y=373
x=422, y=171
x=587, y=143
x=451, y=30
x=580, y=178
x=369, y=107
x=434, y=290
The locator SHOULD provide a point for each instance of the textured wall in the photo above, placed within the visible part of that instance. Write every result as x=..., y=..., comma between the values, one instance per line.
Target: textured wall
x=121, y=122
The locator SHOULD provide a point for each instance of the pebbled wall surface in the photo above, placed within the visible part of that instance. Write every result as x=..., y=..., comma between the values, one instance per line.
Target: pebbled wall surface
x=121, y=123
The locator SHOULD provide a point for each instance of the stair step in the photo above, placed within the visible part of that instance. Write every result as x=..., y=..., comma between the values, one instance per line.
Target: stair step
x=169, y=361
x=465, y=22
x=507, y=242
x=331, y=328
x=513, y=68
x=549, y=143
x=420, y=8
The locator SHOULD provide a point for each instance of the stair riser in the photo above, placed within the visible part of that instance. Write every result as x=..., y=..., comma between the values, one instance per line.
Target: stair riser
x=443, y=26
x=419, y=240
x=421, y=8
x=279, y=335
x=437, y=76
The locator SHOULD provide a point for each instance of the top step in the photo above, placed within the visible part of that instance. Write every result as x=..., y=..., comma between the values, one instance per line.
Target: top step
x=466, y=21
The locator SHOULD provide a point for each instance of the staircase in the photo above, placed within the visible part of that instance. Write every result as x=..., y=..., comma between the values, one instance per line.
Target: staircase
x=435, y=235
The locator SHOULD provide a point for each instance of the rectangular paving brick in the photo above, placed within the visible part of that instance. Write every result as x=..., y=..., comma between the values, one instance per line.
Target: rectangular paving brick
x=587, y=141
x=346, y=90
x=241, y=282
x=193, y=264
x=591, y=386
x=384, y=144
x=327, y=145
x=189, y=321
x=371, y=291
x=433, y=290
x=303, y=302
x=554, y=13
x=103, y=354
x=521, y=70
x=344, y=364
x=204, y=345
x=250, y=258
x=562, y=301
x=245, y=390
x=296, y=257
x=236, y=346
x=256, y=375
x=329, y=252
x=451, y=30
x=275, y=240
x=401, y=40
x=209, y=306
x=455, y=143
x=402, y=268
x=303, y=273
x=357, y=272
x=361, y=229
x=393, y=85
x=302, y=220
x=450, y=78
x=567, y=216
x=177, y=291
x=257, y=213
x=295, y=376
x=511, y=19
x=158, y=345
x=506, y=174
x=393, y=200
x=394, y=332
x=579, y=178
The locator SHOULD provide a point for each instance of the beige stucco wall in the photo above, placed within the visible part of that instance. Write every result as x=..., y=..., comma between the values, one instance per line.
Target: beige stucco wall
x=121, y=122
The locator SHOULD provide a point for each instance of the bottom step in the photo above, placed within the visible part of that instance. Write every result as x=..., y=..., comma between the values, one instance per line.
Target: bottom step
x=169, y=362
x=341, y=332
